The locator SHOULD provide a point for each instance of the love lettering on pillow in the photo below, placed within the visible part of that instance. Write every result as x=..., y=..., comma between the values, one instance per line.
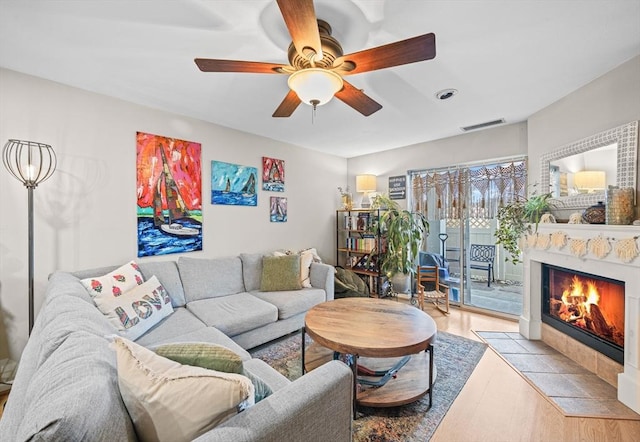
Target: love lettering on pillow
x=115, y=283
x=137, y=310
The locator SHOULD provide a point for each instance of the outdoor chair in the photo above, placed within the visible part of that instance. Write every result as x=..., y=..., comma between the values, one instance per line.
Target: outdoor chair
x=482, y=257
x=430, y=288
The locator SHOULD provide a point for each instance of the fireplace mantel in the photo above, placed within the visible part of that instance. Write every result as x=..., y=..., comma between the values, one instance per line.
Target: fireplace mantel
x=611, y=251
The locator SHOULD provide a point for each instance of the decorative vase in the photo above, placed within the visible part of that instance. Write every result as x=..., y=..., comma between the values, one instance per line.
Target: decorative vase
x=347, y=201
x=595, y=214
x=619, y=205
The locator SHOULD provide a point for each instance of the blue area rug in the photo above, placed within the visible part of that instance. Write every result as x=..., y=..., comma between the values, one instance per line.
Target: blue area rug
x=455, y=360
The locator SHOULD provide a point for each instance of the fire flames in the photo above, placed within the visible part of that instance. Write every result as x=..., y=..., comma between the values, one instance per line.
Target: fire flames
x=577, y=300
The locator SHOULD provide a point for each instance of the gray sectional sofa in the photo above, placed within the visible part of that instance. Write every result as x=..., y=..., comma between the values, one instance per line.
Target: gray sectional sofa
x=66, y=387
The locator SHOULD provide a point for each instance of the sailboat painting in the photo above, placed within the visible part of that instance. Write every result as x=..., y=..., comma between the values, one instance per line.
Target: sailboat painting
x=169, y=191
x=272, y=174
x=233, y=184
x=278, y=209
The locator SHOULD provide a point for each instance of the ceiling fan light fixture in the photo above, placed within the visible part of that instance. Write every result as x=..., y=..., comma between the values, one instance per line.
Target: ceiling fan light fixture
x=315, y=86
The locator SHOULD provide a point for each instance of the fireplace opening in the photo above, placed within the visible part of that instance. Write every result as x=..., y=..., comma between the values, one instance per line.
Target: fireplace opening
x=587, y=307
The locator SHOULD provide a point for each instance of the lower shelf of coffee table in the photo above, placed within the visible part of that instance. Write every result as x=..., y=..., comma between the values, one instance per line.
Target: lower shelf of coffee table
x=410, y=384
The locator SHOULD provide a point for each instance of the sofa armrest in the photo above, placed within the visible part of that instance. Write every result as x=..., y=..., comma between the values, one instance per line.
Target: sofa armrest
x=316, y=407
x=322, y=277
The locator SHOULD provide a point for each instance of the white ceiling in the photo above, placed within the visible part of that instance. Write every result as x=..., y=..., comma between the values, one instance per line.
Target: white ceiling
x=507, y=58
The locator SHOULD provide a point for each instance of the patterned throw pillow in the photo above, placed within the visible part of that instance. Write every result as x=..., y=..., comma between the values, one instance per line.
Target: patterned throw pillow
x=115, y=283
x=168, y=401
x=212, y=357
x=137, y=310
x=280, y=273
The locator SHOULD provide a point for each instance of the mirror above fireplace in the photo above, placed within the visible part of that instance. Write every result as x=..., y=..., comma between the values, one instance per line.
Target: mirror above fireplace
x=624, y=139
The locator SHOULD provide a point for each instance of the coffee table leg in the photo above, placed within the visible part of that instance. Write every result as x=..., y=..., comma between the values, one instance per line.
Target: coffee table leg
x=430, y=349
x=302, y=332
x=354, y=367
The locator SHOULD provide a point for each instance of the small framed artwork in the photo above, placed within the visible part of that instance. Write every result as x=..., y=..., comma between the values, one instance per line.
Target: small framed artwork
x=272, y=174
x=398, y=187
x=233, y=184
x=278, y=209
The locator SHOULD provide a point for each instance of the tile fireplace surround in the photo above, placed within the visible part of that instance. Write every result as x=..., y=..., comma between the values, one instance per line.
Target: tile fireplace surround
x=585, y=248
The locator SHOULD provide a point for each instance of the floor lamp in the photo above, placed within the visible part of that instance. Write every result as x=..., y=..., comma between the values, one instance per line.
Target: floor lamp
x=30, y=163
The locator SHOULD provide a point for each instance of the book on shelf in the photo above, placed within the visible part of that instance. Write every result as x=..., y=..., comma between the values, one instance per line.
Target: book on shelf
x=350, y=222
x=364, y=244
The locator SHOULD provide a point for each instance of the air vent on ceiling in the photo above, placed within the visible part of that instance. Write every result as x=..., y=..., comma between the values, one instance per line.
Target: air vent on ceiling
x=483, y=125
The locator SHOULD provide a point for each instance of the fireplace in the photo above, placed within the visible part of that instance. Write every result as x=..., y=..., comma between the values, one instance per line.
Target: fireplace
x=587, y=250
x=587, y=307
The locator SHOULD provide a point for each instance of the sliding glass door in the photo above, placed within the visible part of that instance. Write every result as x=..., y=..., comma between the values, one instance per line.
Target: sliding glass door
x=461, y=204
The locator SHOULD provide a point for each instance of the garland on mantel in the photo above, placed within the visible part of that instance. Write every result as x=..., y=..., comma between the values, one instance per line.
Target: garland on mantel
x=625, y=249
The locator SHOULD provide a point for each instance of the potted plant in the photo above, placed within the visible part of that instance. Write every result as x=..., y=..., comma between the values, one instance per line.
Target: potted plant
x=403, y=232
x=516, y=218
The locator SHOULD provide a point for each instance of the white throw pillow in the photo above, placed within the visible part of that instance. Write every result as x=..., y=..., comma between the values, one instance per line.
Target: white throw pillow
x=306, y=258
x=137, y=310
x=168, y=401
x=115, y=283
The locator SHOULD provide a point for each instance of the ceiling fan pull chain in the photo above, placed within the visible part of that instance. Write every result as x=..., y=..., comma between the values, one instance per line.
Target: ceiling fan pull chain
x=314, y=103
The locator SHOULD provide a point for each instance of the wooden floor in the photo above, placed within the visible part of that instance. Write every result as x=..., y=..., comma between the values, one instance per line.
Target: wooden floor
x=497, y=404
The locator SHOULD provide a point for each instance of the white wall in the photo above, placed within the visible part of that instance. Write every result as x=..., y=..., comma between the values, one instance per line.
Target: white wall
x=499, y=142
x=85, y=215
x=606, y=102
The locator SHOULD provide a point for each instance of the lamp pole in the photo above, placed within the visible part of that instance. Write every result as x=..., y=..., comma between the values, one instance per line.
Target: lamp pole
x=30, y=163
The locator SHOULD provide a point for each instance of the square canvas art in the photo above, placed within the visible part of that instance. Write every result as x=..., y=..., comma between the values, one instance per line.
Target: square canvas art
x=233, y=184
x=169, y=189
x=272, y=174
x=278, y=209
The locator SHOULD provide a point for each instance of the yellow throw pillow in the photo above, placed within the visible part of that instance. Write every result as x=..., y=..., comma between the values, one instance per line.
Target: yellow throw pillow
x=168, y=401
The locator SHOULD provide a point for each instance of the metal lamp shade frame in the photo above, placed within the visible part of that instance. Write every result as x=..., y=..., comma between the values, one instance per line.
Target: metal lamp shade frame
x=30, y=163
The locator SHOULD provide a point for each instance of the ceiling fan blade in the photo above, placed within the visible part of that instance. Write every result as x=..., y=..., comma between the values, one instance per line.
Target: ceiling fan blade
x=357, y=99
x=420, y=48
x=211, y=65
x=301, y=21
x=288, y=105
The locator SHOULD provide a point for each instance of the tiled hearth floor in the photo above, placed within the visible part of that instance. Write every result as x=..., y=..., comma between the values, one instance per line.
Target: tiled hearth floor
x=574, y=390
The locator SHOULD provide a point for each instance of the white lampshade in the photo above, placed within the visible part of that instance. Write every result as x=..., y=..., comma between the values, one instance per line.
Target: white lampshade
x=589, y=180
x=315, y=86
x=365, y=183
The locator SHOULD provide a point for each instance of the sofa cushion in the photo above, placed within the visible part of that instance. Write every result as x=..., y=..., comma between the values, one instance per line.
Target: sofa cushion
x=251, y=270
x=79, y=376
x=160, y=394
x=180, y=322
x=291, y=303
x=204, y=334
x=167, y=274
x=114, y=283
x=209, y=278
x=234, y=314
x=134, y=312
x=280, y=273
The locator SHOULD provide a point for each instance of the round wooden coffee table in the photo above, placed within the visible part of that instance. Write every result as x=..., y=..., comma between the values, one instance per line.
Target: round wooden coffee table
x=374, y=331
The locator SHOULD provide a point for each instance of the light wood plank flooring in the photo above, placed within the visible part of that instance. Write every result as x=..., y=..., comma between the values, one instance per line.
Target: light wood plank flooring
x=497, y=404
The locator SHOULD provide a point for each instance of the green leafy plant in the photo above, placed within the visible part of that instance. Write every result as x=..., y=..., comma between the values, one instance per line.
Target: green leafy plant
x=516, y=218
x=403, y=232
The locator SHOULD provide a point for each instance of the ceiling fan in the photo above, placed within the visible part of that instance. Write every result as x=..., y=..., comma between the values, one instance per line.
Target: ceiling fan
x=317, y=65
